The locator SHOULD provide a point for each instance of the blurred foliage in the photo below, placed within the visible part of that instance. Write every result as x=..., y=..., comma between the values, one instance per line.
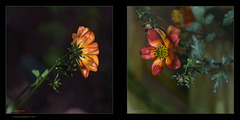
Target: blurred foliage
x=156, y=103
x=228, y=18
x=51, y=55
x=198, y=48
x=56, y=10
x=54, y=30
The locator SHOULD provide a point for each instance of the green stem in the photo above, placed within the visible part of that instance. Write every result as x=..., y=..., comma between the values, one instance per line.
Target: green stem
x=41, y=81
x=178, y=47
x=22, y=93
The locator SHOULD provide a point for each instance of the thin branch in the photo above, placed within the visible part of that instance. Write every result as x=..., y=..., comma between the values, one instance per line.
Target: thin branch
x=202, y=33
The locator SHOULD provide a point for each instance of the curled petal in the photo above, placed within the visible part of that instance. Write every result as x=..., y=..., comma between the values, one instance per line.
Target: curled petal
x=81, y=29
x=86, y=39
x=83, y=37
x=84, y=31
x=157, y=67
x=168, y=44
x=91, y=52
x=148, y=52
x=91, y=49
x=74, y=36
x=161, y=33
x=89, y=63
x=93, y=45
x=173, y=30
x=154, y=39
x=83, y=68
x=85, y=72
x=173, y=38
x=94, y=58
x=172, y=61
x=79, y=32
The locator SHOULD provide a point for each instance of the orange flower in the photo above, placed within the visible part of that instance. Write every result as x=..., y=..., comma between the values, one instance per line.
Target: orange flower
x=87, y=52
x=188, y=16
x=173, y=30
x=162, y=50
x=185, y=15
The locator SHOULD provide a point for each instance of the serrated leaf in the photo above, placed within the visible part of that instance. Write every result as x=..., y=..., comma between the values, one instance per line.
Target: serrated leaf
x=36, y=72
x=220, y=81
x=213, y=66
x=146, y=8
x=198, y=13
x=203, y=69
x=225, y=77
x=210, y=60
x=191, y=61
x=215, y=76
x=210, y=37
x=194, y=26
x=228, y=18
x=202, y=48
x=215, y=87
x=226, y=59
x=198, y=48
x=209, y=19
x=219, y=76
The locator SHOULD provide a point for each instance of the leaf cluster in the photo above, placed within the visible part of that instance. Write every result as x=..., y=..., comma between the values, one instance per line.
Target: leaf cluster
x=201, y=17
x=143, y=13
x=198, y=48
x=38, y=76
x=219, y=76
x=196, y=61
x=228, y=18
x=55, y=83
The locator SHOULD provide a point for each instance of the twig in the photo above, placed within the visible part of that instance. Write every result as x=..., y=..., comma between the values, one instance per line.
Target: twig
x=40, y=83
x=202, y=33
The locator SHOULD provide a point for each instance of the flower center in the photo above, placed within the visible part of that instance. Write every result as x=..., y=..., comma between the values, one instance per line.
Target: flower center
x=76, y=51
x=162, y=52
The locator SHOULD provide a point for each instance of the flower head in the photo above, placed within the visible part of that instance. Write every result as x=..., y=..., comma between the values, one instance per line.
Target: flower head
x=173, y=30
x=177, y=16
x=162, y=50
x=184, y=15
x=86, y=51
x=188, y=16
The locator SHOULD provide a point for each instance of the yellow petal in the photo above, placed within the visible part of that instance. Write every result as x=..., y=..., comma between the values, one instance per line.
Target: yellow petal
x=94, y=58
x=89, y=63
x=172, y=61
x=168, y=44
x=91, y=49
